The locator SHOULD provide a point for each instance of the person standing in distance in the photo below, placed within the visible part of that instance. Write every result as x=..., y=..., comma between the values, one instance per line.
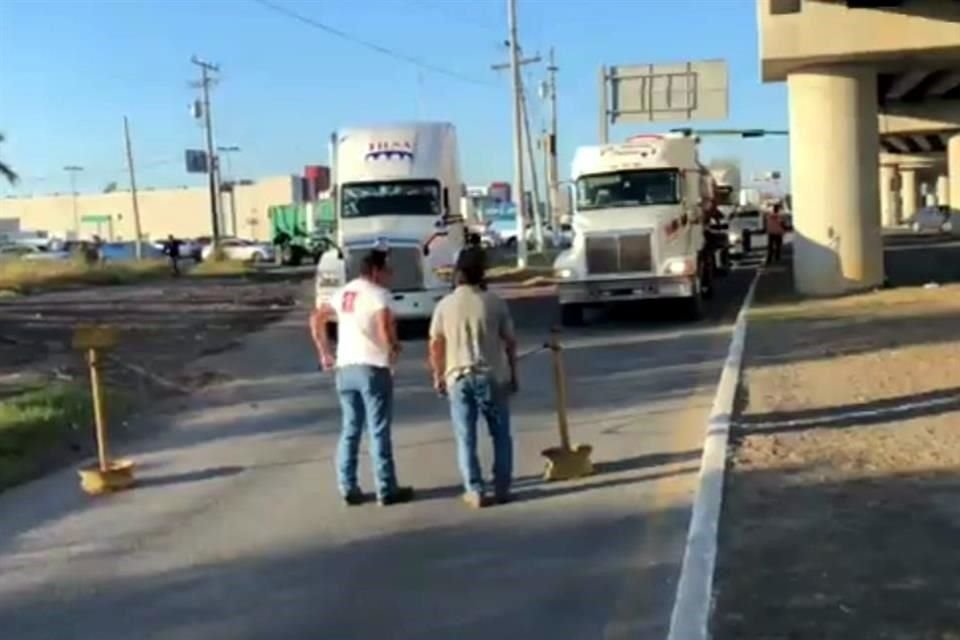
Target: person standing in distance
x=473, y=355
x=775, y=231
x=367, y=348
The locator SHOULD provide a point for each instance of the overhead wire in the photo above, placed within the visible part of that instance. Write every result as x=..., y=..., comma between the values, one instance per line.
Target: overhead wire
x=373, y=46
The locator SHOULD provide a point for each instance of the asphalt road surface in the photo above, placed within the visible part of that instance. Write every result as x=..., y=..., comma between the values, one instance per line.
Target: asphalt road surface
x=236, y=530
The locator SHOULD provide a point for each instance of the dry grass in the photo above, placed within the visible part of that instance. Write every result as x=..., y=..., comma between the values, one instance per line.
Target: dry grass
x=25, y=276
x=222, y=268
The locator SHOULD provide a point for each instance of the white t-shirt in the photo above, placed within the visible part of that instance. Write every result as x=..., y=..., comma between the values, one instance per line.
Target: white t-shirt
x=358, y=340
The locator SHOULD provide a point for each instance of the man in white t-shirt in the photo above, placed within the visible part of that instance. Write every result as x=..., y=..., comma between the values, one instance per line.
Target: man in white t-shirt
x=367, y=348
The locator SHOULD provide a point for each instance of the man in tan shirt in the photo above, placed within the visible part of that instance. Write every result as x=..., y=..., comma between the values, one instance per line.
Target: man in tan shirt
x=474, y=363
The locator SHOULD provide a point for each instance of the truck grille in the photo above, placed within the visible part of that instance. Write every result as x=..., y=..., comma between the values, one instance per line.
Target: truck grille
x=405, y=263
x=623, y=254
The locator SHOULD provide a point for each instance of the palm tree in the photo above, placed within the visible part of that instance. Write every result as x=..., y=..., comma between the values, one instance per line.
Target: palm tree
x=6, y=171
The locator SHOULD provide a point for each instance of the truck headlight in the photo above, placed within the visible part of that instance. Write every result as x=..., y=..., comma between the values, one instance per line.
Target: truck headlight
x=733, y=236
x=681, y=267
x=328, y=279
x=564, y=274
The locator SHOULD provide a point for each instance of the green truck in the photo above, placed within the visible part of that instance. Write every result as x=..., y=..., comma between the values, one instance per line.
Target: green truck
x=302, y=231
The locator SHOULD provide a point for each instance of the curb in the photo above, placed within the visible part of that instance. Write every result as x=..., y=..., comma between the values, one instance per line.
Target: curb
x=693, y=603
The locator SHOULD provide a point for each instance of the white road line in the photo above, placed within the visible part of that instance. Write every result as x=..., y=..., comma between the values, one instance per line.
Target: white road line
x=693, y=603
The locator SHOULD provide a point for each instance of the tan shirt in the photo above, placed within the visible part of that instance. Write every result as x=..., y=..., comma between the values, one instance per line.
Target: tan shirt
x=473, y=324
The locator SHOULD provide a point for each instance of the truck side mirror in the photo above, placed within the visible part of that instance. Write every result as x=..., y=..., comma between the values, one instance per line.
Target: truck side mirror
x=446, y=201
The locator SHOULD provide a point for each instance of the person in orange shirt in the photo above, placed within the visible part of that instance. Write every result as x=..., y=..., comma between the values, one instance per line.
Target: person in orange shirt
x=775, y=230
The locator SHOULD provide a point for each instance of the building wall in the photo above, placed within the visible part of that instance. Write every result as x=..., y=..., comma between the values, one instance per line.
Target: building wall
x=183, y=212
x=823, y=32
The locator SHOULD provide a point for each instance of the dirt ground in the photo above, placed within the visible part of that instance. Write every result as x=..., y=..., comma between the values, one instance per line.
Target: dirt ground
x=841, y=515
x=165, y=328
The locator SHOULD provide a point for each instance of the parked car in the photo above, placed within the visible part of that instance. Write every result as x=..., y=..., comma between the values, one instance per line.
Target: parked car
x=189, y=249
x=746, y=231
x=119, y=251
x=931, y=219
x=31, y=252
x=244, y=250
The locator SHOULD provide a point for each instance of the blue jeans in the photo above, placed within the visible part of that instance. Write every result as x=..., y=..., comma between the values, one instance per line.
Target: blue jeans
x=471, y=396
x=366, y=400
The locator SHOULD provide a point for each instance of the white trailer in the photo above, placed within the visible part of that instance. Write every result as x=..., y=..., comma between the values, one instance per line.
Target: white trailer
x=638, y=225
x=396, y=187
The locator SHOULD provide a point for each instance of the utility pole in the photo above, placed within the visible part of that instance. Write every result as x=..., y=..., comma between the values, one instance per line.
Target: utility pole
x=518, y=184
x=138, y=247
x=204, y=85
x=534, y=187
x=553, y=177
x=73, y=170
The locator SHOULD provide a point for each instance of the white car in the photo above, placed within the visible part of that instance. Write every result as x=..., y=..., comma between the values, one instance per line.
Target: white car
x=31, y=252
x=243, y=250
x=930, y=219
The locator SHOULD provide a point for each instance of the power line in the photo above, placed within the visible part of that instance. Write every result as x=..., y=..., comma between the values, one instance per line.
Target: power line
x=343, y=35
x=441, y=9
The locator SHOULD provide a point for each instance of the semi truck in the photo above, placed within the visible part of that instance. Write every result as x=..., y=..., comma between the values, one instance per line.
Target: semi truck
x=638, y=223
x=726, y=185
x=398, y=188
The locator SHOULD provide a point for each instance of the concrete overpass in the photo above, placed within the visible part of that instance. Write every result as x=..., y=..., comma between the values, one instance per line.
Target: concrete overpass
x=864, y=77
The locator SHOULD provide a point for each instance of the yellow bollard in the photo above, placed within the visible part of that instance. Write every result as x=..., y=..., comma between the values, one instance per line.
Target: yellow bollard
x=107, y=475
x=564, y=462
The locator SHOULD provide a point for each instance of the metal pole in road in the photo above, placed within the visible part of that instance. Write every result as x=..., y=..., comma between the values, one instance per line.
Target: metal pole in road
x=138, y=246
x=519, y=189
x=204, y=84
x=72, y=170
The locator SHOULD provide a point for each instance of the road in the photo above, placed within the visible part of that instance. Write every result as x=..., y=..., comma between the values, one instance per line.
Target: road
x=236, y=530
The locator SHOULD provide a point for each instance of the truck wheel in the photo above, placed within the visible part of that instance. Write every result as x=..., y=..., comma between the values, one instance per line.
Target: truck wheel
x=571, y=315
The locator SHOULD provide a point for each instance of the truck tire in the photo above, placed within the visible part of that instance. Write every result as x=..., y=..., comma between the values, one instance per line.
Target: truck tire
x=571, y=315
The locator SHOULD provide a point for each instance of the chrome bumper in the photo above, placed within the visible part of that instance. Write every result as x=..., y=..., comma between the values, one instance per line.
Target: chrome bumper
x=602, y=291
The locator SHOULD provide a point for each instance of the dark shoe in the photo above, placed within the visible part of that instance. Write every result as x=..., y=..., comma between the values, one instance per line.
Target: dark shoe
x=476, y=500
x=354, y=497
x=504, y=497
x=398, y=496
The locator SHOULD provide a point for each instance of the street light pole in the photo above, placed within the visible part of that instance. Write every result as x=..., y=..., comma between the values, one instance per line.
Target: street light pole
x=72, y=170
x=138, y=246
x=227, y=151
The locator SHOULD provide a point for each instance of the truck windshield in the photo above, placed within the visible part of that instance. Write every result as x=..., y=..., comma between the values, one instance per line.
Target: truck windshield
x=404, y=198
x=628, y=189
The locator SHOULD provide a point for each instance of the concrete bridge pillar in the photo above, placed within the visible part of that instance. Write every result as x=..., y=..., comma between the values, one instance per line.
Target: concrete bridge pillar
x=943, y=191
x=834, y=148
x=889, y=195
x=953, y=164
x=909, y=192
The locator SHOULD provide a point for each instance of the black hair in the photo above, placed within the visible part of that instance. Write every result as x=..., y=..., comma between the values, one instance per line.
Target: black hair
x=376, y=260
x=471, y=266
x=474, y=240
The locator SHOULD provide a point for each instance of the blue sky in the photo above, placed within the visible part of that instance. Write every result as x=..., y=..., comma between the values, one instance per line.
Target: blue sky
x=70, y=70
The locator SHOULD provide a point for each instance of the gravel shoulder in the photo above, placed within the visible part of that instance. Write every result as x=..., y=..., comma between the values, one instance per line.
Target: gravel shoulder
x=841, y=516
x=166, y=329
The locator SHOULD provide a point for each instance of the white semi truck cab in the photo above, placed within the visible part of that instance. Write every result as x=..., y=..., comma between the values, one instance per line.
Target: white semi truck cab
x=638, y=225
x=396, y=187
